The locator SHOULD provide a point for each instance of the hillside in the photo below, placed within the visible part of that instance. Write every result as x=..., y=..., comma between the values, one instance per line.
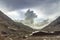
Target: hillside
x=10, y=29
x=53, y=26
x=50, y=32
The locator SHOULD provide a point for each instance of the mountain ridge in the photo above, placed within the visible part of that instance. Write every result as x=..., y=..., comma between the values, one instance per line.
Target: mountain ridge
x=53, y=26
x=11, y=29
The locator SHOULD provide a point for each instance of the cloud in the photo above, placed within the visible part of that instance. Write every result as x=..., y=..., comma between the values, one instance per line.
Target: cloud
x=30, y=15
x=16, y=4
x=43, y=8
x=48, y=7
x=16, y=15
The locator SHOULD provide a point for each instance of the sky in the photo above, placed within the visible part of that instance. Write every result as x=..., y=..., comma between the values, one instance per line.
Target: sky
x=44, y=9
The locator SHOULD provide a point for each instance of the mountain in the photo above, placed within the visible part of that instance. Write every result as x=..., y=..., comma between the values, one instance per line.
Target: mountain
x=53, y=26
x=11, y=29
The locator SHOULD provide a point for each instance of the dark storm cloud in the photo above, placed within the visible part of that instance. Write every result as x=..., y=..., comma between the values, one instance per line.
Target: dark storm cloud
x=16, y=4
x=49, y=6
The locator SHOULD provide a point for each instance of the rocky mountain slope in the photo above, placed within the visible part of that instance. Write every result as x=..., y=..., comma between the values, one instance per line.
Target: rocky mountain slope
x=53, y=26
x=12, y=30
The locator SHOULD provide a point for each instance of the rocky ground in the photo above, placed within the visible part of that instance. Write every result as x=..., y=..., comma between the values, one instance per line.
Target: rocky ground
x=44, y=38
x=31, y=38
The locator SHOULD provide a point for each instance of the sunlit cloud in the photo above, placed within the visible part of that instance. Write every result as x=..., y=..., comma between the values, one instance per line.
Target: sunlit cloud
x=16, y=15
